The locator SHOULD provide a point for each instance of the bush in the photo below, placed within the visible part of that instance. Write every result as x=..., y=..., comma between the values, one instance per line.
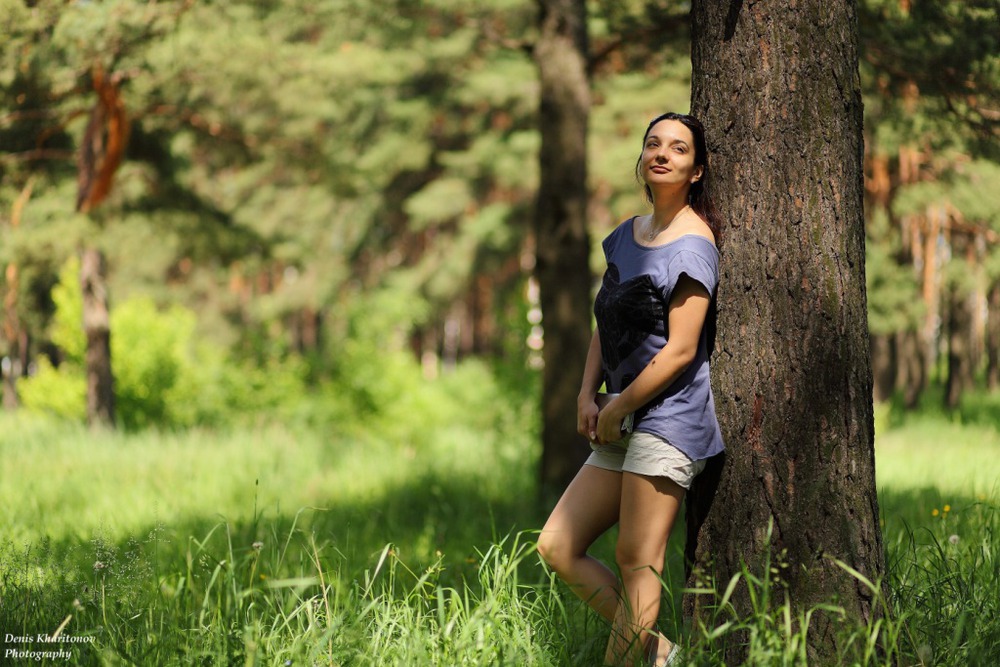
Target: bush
x=162, y=377
x=151, y=356
x=60, y=391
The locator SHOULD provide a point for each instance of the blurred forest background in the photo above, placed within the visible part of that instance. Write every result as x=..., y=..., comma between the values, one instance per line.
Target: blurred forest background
x=318, y=210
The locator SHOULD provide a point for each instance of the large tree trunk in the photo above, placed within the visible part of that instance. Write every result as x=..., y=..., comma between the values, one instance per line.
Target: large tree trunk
x=563, y=246
x=100, y=389
x=777, y=87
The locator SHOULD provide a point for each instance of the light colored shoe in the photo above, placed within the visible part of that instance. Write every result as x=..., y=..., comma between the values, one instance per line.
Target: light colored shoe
x=673, y=658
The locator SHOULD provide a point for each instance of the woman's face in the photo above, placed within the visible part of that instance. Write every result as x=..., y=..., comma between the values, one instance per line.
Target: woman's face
x=668, y=156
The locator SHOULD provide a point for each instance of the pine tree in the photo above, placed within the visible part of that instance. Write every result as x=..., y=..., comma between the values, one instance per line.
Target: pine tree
x=777, y=87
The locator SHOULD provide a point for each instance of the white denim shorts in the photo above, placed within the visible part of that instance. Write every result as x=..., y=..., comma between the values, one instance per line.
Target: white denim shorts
x=646, y=454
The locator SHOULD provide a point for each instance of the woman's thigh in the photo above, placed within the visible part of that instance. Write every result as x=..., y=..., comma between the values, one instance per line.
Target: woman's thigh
x=649, y=507
x=587, y=509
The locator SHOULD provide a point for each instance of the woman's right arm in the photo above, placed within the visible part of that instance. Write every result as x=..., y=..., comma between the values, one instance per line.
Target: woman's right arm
x=593, y=378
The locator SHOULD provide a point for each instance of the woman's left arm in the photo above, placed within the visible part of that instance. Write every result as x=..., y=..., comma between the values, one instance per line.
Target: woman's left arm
x=686, y=315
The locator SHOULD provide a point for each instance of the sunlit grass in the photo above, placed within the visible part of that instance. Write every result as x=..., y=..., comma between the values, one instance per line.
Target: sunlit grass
x=947, y=456
x=382, y=546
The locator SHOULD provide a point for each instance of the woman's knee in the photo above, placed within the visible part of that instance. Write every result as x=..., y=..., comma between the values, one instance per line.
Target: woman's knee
x=638, y=558
x=554, y=549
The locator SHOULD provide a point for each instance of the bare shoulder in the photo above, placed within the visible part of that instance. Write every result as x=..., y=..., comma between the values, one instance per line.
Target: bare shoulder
x=699, y=227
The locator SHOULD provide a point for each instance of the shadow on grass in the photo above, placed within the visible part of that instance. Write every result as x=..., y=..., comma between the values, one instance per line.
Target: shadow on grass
x=431, y=524
x=428, y=521
x=122, y=590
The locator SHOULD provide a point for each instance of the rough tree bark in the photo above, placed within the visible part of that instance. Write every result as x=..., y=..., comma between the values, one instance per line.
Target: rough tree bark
x=563, y=245
x=777, y=87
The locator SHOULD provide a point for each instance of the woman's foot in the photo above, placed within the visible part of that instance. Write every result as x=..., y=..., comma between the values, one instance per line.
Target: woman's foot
x=673, y=657
x=662, y=652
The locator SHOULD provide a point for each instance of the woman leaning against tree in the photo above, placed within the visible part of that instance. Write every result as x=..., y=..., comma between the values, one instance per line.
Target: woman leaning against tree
x=655, y=332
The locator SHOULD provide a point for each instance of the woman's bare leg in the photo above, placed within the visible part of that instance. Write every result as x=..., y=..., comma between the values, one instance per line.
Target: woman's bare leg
x=649, y=506
x=587, y=509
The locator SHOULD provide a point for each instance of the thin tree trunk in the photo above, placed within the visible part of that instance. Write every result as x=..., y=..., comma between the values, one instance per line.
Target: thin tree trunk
x=11, y=364
x=959, y=313
x=959, y=378
x=884, y=366
x=912, y=368
x=305, y=327
x=17, y=339
x=102, y=150
x=484, y=316
x=100, y=383
x=993, y=338
x=777, y=87
x=931, y=291
x=977, y=302
x=563, y=245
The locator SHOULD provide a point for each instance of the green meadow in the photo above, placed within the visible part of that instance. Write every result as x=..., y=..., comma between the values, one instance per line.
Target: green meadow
x=385, y=544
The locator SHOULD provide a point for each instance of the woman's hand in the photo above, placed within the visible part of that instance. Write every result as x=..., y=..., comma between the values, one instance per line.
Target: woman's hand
x=609, y=423
x=586, y=418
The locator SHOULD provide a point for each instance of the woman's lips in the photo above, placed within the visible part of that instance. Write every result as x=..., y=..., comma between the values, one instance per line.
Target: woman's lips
x=659, y=169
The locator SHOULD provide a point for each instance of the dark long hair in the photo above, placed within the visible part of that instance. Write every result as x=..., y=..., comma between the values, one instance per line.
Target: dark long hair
x=699, y=196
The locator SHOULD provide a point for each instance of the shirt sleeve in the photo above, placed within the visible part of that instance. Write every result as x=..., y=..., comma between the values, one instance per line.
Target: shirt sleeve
x=612, y=239
x=697, y=265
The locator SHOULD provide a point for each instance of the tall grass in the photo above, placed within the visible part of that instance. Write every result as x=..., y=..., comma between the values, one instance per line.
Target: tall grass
x=393, y=546
x=939, y=490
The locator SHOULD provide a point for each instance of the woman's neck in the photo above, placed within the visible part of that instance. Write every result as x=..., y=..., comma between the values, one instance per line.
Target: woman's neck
x=666, y=210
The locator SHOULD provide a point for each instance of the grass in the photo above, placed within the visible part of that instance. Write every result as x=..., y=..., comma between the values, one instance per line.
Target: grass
x=279, y=545
x=939, y=492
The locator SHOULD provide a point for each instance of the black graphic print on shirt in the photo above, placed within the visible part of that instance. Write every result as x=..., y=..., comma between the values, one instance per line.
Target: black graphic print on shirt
x=629, y=313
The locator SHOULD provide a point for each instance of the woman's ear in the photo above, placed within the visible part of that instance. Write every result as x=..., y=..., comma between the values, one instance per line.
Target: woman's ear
x=697, y=174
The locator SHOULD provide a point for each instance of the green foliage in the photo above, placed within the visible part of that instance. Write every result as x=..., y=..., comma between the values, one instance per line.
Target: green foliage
x=341, y=156
x=379, y=390
x=60, y=391
x=151, y=357
x=67, y=321
x=926, y=65
x=162, y=376
x=894, y=302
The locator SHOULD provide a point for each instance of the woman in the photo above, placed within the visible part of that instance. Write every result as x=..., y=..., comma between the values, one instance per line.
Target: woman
x=655, y=332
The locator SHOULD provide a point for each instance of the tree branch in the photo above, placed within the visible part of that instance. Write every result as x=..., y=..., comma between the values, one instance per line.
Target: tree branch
x=38, y=154
x=671, y=27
